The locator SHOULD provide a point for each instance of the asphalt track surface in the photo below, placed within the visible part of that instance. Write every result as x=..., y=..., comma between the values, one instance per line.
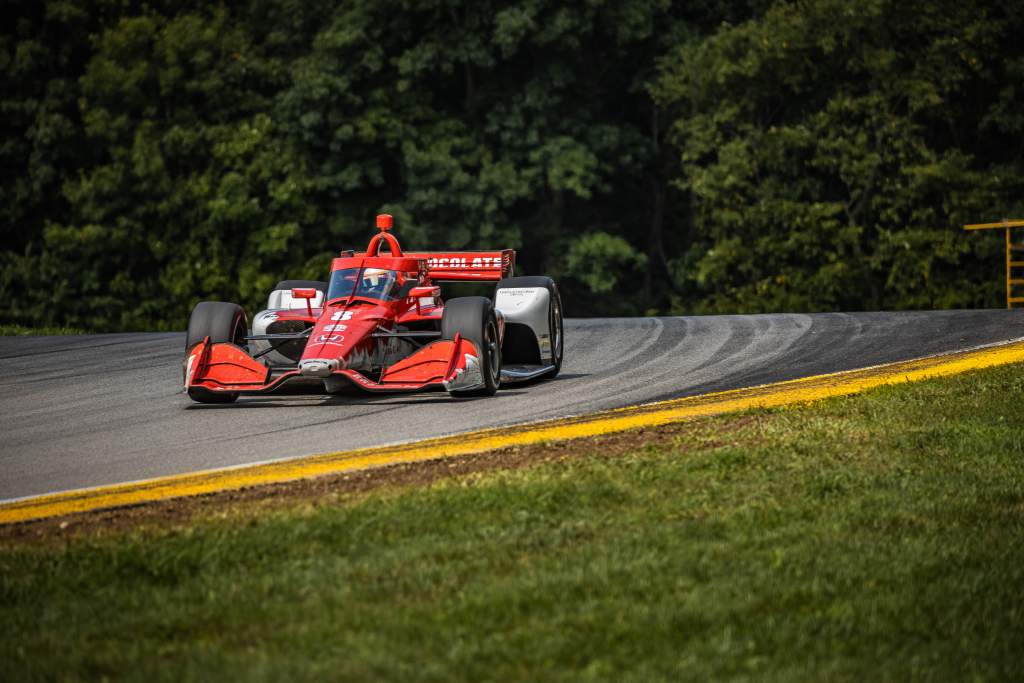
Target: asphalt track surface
x=102, y=409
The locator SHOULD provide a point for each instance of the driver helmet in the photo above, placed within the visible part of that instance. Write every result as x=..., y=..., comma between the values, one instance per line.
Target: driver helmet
x=376, y=279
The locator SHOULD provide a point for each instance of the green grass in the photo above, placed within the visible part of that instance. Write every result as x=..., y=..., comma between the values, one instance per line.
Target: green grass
x=22, y=331
x=876, y=537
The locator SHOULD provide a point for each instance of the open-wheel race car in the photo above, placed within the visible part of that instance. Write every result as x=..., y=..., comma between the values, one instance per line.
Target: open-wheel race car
x=379, y=324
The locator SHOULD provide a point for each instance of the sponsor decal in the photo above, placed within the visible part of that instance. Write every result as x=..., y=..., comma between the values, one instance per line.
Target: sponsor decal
x=268, y=317
x=516, y=300
x=334, y=327
x=318, y=367
x=464, y=262
x=334, y=339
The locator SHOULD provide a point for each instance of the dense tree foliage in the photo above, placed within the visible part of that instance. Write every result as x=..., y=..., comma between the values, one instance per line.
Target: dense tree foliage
x=717, y=156
x=831, y=150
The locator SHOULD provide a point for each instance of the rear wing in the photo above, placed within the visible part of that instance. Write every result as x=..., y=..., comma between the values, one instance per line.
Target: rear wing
x=467, y=266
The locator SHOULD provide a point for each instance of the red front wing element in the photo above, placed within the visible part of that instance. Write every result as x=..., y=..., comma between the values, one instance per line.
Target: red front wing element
x=438, y=362
x=223, y=365
x=225, y=368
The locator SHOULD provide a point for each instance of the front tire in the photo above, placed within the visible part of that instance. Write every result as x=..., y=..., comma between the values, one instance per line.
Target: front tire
x=223, y=323
x=472, y=317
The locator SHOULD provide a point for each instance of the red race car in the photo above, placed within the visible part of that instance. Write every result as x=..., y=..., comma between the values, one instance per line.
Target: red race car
x=379, y=324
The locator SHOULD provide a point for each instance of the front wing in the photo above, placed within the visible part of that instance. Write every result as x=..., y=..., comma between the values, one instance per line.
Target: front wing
x=224, y=368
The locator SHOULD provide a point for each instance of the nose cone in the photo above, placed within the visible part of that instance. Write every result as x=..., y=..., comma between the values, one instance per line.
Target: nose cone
x=341, y=339
x=318, y=367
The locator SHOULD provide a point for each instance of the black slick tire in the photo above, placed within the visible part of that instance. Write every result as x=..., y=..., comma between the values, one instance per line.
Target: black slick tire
x=222, y=322
x=472, y=317
x=555, y=318
x=318, y=285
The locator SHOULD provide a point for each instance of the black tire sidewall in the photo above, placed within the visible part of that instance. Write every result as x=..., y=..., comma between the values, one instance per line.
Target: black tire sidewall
x=221, y=321
x=318, y=285
x=526, y=281
x=469, y=317
x=200, y=395
x=555, y=296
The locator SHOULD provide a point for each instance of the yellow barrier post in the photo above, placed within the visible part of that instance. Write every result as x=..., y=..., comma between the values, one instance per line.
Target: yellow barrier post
x=1011, y=263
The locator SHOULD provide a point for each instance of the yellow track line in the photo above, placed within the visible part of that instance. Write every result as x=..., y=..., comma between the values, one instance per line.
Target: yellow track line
x=765, y=396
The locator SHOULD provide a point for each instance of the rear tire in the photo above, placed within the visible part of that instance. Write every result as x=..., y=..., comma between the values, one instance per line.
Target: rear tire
x=223, y=323
x=301, y=284
x=472, y=317
x=555, y=320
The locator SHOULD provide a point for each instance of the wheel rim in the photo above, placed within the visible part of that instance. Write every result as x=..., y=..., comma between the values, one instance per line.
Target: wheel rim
x=493, y=357
x=556, y=326
x=240, y=334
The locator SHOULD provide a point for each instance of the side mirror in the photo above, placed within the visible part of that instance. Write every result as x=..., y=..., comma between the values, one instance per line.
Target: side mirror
x=307, y=293
x=428, y=290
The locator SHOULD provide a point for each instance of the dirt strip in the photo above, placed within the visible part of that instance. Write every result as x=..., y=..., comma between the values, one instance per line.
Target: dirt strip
x=340, y=489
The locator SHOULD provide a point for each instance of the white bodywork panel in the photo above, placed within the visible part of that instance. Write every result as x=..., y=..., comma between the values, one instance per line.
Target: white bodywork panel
x=528, y=306
x=260, y=321
x=279, y=300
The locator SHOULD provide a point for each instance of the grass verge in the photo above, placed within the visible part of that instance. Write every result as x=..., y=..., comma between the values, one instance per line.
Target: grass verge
x=870, y=537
